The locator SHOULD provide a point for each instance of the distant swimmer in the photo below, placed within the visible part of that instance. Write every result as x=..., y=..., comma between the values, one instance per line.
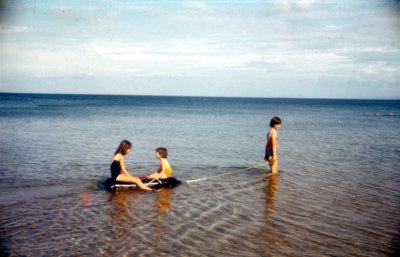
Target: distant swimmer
x=390, y=114
x=271, y=148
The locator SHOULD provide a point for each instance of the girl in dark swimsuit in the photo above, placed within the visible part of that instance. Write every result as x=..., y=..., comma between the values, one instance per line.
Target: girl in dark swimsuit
x=118, y=170
x=272, y=145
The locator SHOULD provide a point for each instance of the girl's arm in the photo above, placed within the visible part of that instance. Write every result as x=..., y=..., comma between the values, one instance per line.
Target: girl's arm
x=123, y=168
x=274, y=145
x=157, y=174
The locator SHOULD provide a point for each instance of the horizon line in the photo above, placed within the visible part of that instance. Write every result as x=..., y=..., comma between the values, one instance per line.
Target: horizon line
x=199, y=96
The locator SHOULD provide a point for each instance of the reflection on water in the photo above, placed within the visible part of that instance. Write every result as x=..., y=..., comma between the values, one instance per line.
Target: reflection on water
x=118, y=210
x=163, y=202
x=124, y=204
x=268, y=233
x=227, y=217
x=270, y=192
x=86, y=199
x=138, y=221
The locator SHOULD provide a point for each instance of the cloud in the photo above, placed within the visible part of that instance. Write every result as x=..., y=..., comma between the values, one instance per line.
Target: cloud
x=166, y=58
x=198, y=6
x=4, y=29
x=291, y=5
x=204, y=41
x=197, y=12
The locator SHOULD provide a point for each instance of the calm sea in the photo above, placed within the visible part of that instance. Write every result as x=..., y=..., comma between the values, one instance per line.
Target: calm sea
x=337, y=193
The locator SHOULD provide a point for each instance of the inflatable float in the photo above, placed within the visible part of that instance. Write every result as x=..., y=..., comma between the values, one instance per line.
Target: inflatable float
x=152, y=183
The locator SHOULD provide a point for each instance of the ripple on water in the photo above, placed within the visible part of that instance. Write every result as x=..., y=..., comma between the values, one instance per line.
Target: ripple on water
x=289, y=215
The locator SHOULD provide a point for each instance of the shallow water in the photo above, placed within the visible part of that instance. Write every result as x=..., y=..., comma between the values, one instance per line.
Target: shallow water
x=336, y=194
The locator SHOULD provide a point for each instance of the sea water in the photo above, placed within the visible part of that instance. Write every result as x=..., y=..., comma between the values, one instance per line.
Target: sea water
x=337, y=193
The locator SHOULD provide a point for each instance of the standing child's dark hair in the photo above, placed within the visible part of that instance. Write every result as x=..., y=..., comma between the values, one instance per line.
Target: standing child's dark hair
x=275, y=121
x=162, y=151
x=123, y=147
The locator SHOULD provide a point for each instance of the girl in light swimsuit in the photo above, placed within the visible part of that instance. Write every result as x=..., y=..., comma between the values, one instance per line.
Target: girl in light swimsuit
x=118, y=170
x=165, y=170
x=272, y=145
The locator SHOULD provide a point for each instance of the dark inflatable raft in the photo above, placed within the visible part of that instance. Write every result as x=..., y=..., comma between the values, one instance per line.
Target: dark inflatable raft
x=152, y=183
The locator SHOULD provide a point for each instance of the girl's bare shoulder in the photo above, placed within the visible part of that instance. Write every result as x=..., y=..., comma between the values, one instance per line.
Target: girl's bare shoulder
x=118, y=157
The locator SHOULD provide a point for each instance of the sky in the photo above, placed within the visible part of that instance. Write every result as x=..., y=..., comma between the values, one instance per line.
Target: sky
x=276, y=48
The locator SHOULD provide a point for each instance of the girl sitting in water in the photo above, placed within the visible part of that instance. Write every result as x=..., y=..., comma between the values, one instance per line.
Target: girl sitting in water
x=165, y=170
x=118, y=170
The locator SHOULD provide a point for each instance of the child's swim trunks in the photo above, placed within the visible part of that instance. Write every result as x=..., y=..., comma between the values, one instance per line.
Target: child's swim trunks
x=268, y=154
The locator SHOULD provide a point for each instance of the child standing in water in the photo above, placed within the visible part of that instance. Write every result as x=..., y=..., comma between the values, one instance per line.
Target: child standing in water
x=165, y=170
x=118, y=170
x=271, y=148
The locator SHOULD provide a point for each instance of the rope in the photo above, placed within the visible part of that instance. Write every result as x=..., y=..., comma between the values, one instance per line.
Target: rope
x=223, y=174
x=149, y=183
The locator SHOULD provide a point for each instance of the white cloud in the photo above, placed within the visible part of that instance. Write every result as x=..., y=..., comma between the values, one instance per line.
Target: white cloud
x=4, y=29
x=292, y=5
x=197, y=12
x=198, y=6
x=195, y=39
x=172, y=58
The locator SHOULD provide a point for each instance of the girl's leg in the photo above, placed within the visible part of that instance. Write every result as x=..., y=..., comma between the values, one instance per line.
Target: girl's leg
x=137, y=181
x=274, y=167
x=140, y=184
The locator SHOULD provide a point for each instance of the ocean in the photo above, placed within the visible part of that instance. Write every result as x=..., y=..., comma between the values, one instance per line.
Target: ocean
x=337, y=192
